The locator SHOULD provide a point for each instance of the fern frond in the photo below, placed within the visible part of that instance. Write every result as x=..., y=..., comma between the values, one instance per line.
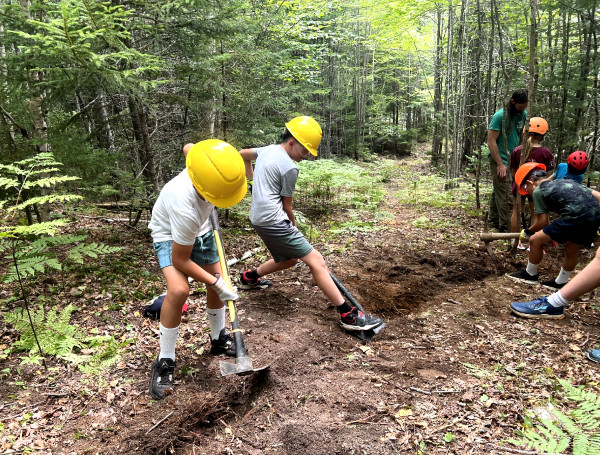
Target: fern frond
x=48, y=182
x=11, y=169
x=41, y=171
x=65, y=315
x=49, y=199
x=44, y=243
x=45, y=228
x=92, y=250
x=580, y=444
x=29, y=266
x=566, y=422
x=41, y=159
x=8, y=183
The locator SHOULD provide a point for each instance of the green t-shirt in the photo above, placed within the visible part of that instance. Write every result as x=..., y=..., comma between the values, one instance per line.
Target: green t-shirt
x=572, y=201
x=513, y=136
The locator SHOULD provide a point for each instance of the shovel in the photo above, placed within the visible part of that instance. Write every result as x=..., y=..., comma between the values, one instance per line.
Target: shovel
x=243, y=363
x=361, y=334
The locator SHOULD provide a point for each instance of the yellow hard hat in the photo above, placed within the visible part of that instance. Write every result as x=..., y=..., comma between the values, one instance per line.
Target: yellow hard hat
x=217, y=171
x=307, y=131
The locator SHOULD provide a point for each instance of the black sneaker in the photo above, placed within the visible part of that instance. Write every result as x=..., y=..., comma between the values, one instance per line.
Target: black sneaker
x=523, y=276
x=357, y=320
x=225, y=344
x=552, y=284
x=161, y=383
x=247, y=284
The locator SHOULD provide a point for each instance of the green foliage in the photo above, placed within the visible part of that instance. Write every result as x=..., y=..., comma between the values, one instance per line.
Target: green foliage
x=343, y=184
x=24, y=177
x=35, y=249
x=55, y=334
x=578, y=427
x=61, y=338
x=47, y=253
x=430, y=190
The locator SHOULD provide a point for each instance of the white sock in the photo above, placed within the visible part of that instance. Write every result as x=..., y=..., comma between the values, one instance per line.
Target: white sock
x=557, y=300
x=563, y=276
x=216, y=319
x=532, y=269
x=168, y=340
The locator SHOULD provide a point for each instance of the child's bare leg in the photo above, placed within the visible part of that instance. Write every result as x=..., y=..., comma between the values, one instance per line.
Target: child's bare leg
x=571, y=256
x=536, y=247
x=271, y=266
x=584, y=281
x=178, y=291
x=320, y=273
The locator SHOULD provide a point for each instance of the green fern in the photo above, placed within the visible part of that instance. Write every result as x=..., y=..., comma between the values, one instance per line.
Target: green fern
x=55, y=334
x=35, y=249
x=577, y=428
x=59, y=337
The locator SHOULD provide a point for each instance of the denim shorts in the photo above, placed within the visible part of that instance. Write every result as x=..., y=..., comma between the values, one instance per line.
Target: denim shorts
x=284, y=241
x=204, y=251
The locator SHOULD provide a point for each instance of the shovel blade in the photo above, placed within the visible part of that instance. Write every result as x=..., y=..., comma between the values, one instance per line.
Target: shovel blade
x=242, y=366
x=367, y=335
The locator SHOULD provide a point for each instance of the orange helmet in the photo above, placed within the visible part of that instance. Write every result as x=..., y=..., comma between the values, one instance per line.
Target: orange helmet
x=538, y=125
x=524, y=171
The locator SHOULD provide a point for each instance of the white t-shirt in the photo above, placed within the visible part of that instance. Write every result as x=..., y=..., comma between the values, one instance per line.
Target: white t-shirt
x=180, y=214
x=275, y=176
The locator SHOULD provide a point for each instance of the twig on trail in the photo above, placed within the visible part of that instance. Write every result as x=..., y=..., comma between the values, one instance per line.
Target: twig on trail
x=160, y=421
x=366, y=421
x=420, y=391
x=34, y=405
x=56, y=394
x=458, y=419
x=446, y=391
x=454, y=301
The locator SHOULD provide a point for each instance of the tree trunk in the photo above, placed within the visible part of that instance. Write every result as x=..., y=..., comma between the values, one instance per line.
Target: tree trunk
x=436, y=148
x=142, y=140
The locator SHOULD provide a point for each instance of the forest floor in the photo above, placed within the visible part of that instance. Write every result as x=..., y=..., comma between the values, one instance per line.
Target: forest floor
x=453, y=372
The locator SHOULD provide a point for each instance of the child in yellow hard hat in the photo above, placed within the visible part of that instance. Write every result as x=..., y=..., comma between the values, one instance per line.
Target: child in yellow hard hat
x=185, y=246
x=274, y=180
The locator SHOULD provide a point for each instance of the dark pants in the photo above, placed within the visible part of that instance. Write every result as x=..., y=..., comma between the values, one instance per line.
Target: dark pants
x=499, y=198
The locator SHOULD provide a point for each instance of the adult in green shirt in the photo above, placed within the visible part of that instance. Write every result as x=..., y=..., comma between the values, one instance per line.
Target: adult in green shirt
x=499, y=155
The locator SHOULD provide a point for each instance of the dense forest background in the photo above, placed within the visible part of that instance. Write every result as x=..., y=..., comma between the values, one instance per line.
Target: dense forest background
x=114, y=89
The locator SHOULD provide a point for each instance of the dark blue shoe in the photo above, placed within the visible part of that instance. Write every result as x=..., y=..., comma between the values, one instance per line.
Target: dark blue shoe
x=537, y=309
x=593, y=355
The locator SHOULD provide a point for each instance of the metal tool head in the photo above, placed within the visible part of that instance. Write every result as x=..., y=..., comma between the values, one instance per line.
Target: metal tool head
x=241, y=367
x=367, y=335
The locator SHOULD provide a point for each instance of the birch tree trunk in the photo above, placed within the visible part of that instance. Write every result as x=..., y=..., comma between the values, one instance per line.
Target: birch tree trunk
x=436, y=148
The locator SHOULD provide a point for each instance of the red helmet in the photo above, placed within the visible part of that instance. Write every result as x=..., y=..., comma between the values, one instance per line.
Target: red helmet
x=578, y=160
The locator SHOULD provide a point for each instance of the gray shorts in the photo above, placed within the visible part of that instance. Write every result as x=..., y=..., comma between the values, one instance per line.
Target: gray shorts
x=284, y=241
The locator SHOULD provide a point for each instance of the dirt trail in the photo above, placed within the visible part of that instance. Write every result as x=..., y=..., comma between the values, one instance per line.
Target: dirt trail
x=452, y=360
